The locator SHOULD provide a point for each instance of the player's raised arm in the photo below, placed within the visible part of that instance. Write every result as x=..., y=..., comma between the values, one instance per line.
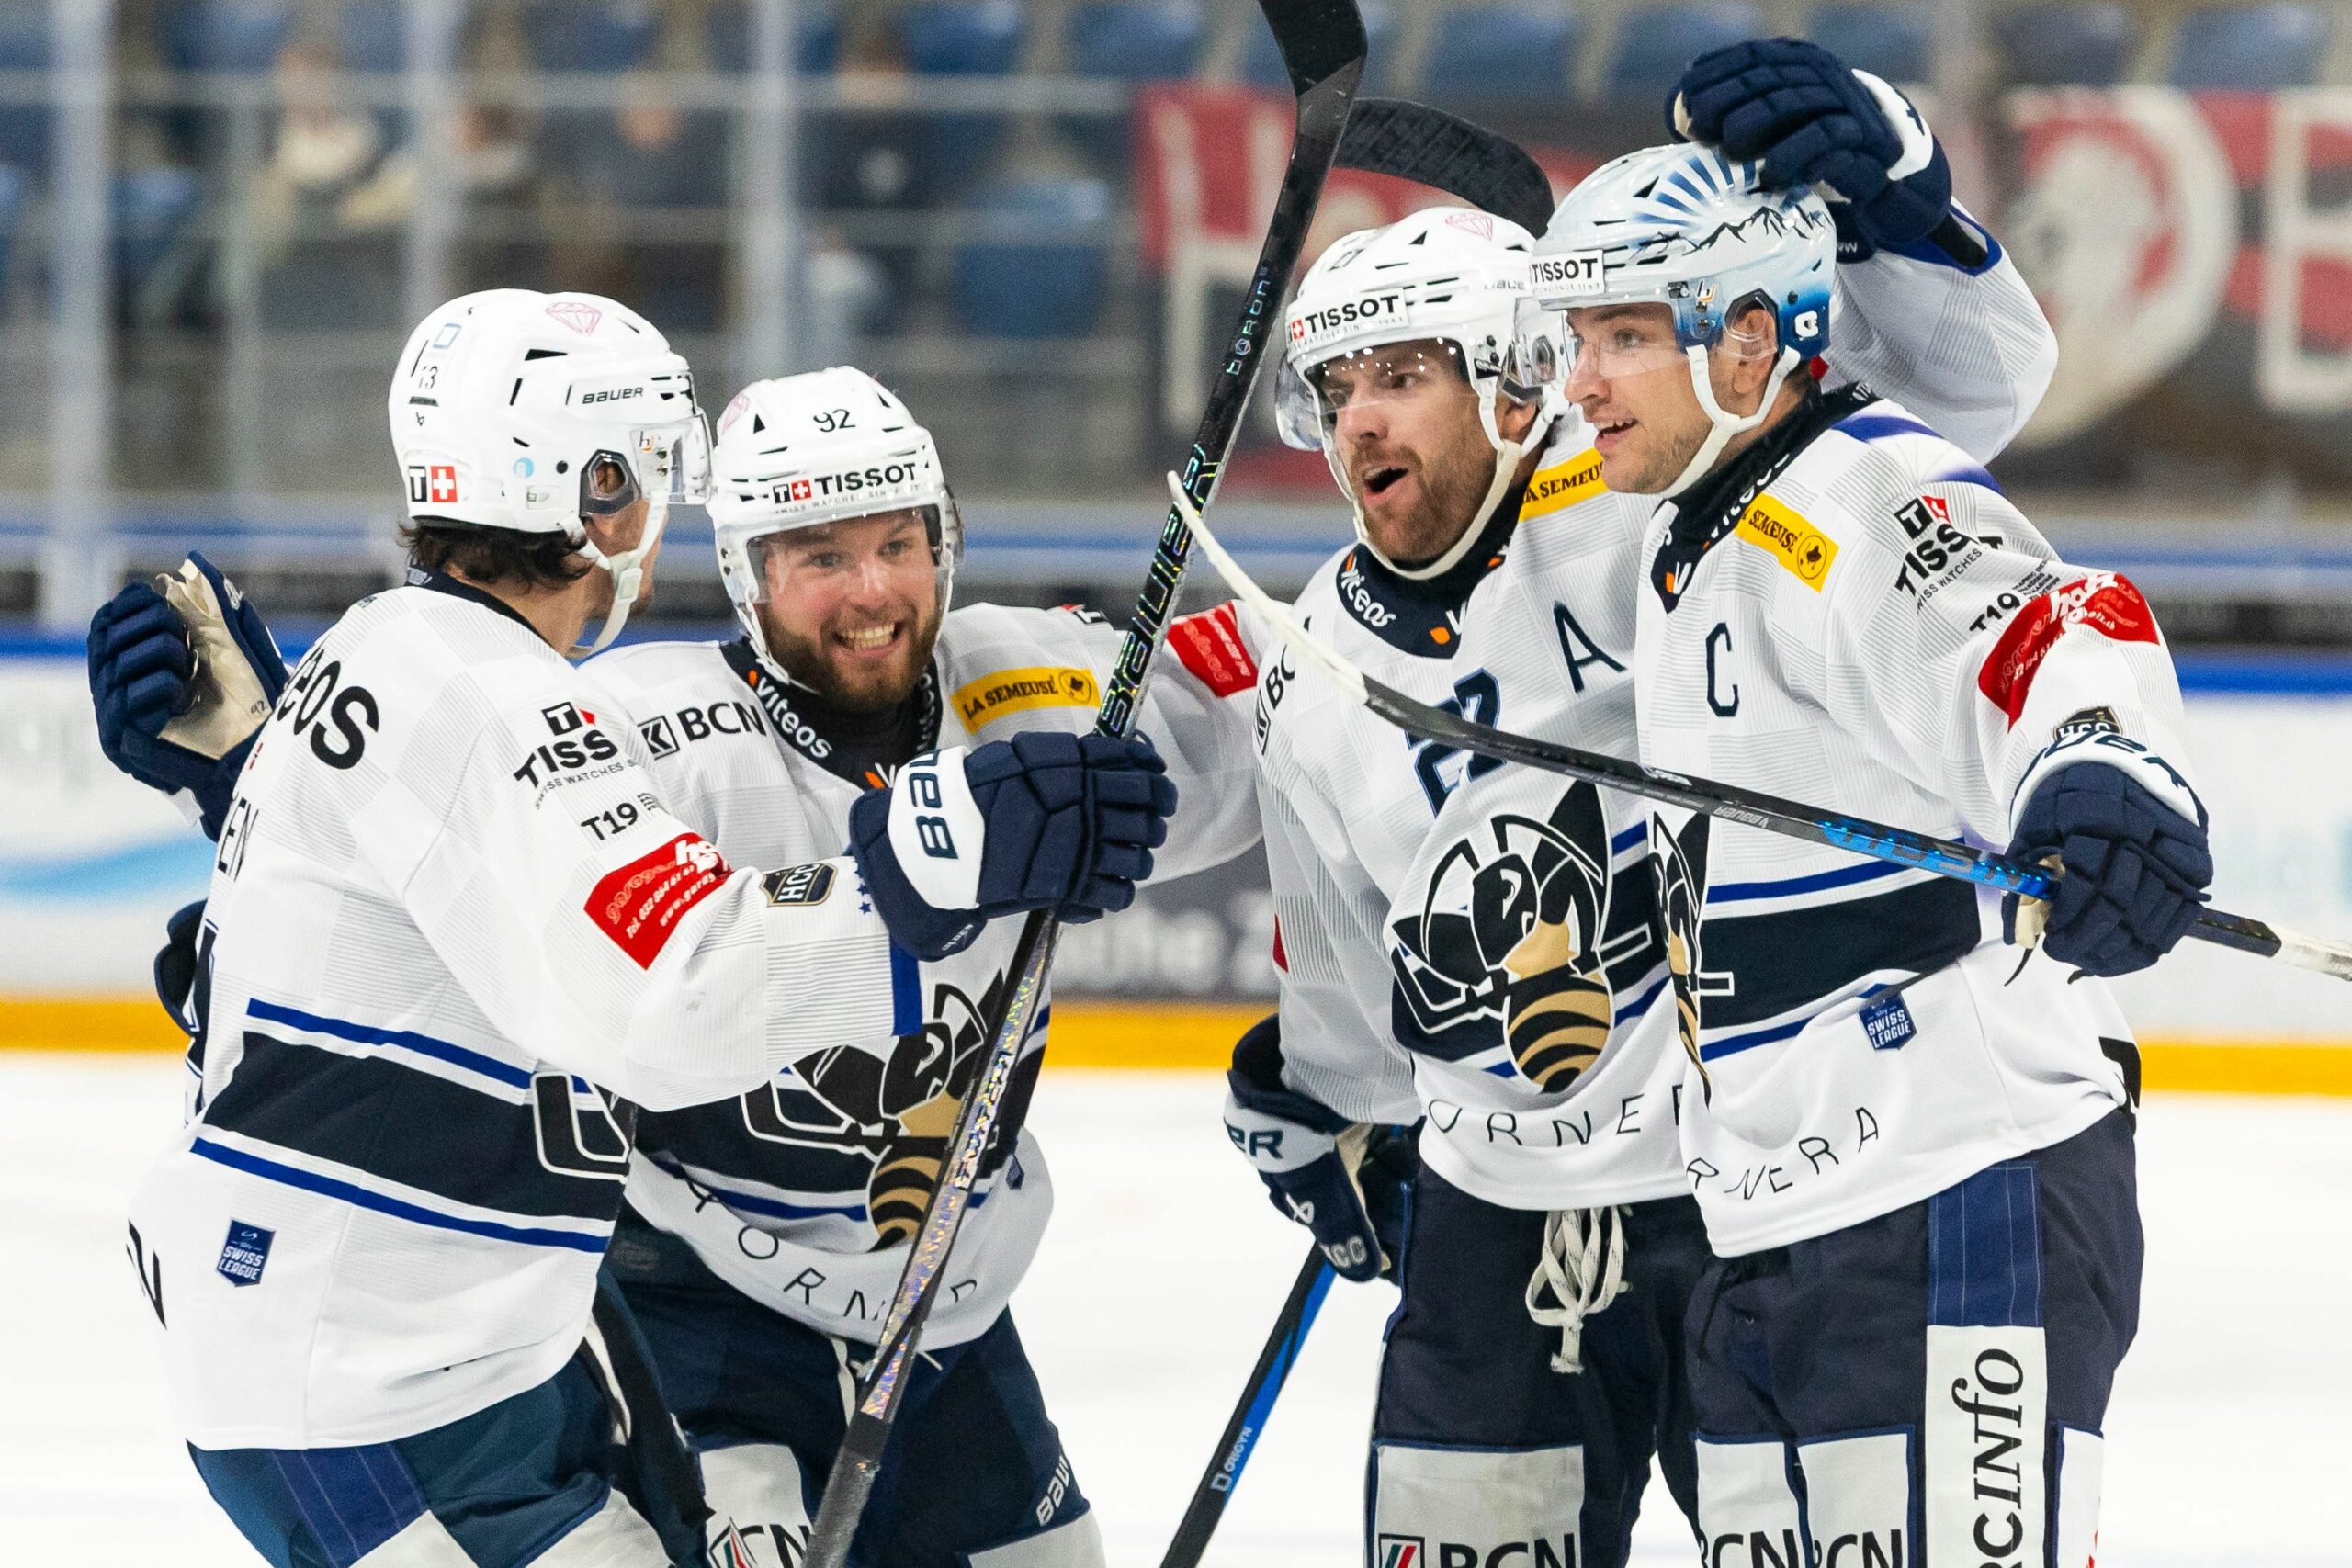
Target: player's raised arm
x=1926, y=306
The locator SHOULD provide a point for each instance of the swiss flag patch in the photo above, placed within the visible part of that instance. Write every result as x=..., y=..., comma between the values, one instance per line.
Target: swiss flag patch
x=639, y=904
x=1210, y=646
x=2103, y=601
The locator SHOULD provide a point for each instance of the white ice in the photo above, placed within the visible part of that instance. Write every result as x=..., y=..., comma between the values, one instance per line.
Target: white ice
x=1149, y=1302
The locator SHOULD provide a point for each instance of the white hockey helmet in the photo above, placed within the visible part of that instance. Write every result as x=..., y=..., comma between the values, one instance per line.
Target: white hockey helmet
x=820, y=447
x=1449, y=277
x=514, y=409
x=1684, y=227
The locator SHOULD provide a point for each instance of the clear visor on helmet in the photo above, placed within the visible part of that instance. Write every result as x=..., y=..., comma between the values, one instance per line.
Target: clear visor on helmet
x=1309, y=402
x=1614, y=340
x=667, y=462
x=911, y=549
x=1607, y=341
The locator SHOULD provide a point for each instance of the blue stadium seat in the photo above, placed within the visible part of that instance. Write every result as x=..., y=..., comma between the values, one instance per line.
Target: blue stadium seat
x=2087, y=45
x=1890, y=41
x=1136, y=41
x=25, y=46
x=727, y=37
x=591, y=34
x=963, y=37
x=12, y=187
x=1129, y=40
x=2250, y=48
x=959, y=38
x=1261, y=62
x=1039, y=268
x=1516, y=54
x=225, y=35
x=151, y=209
x=1653, y=45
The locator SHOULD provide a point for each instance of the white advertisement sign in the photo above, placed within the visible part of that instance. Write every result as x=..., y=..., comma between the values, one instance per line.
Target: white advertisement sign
x=91, y=864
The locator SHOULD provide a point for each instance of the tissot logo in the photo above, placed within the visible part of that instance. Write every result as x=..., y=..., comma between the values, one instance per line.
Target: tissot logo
x=799, y=489
x=1347, y=313
x=1572, y=274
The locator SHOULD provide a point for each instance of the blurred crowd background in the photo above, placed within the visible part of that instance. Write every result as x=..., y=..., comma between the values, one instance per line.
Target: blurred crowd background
x=1033, y=217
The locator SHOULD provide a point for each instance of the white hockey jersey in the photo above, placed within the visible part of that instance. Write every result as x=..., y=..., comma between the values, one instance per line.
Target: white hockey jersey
x=1853, y=615
x=1476, y=944
x=804, y=1192
x=448, y=900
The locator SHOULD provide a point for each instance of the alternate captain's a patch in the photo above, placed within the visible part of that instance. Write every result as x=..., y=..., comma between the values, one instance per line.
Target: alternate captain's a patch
x=1788, y=539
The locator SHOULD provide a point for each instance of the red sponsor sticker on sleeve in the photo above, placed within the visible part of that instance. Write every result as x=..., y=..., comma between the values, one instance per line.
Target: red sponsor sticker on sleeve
x=1210, y=646
x=639, y=904
x=2103, y=601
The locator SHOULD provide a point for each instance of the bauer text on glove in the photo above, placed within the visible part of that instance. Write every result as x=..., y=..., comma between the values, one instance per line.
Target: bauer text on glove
x=1043, y=822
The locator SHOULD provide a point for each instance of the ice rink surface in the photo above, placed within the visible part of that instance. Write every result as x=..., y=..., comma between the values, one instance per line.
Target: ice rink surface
x=2227, y=1441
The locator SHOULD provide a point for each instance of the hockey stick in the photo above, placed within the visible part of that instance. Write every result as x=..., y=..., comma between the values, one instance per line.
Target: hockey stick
x=1945, y=857
x=1431, y=147
x=1247, y=1423
x=1322, y=42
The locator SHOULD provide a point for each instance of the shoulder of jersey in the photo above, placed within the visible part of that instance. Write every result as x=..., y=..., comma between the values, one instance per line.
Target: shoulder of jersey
x=997, y=661
x=1882, y=477
x=422, y=642
x=655, y=671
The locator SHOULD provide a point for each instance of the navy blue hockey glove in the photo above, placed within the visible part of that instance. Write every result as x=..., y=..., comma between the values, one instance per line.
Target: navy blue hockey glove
x=177, y=963
x=1043, y=822
x=2136, y=869
x=182, y=676
x=1349, y=1183
x=1811, y=120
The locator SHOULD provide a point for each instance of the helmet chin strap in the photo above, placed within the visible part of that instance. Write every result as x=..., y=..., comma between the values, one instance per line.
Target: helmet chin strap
x=1508, y=454
x=1726, y=425
x=627, y=568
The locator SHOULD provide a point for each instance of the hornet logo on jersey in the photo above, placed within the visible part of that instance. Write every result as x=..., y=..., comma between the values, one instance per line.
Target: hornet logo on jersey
x=1507, y=946
x=896, y=1113
x=1683, y=895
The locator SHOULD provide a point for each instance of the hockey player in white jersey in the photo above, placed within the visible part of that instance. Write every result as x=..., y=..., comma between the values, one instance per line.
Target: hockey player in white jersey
x=457, y=935
x=1475, y=947
x=763, y=1234
x=1911, y=1139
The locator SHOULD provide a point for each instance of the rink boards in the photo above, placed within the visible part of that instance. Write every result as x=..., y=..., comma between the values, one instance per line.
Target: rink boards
x=90, y=864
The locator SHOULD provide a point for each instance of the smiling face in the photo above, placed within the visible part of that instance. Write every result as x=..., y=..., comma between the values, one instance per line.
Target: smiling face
x=851, y=609
x=1404, y=427
x=1632, y=380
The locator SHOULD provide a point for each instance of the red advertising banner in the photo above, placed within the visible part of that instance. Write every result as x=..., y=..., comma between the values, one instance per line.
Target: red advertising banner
x=2193, y=251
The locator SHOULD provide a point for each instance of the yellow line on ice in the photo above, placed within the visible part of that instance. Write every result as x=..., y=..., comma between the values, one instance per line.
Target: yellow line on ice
x=1200, y=1035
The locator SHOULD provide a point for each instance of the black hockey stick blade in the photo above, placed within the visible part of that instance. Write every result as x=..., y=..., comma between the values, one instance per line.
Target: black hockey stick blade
x=1322, y=43
x=1444, y=151
x=1247, y=1423
x=1900, y=846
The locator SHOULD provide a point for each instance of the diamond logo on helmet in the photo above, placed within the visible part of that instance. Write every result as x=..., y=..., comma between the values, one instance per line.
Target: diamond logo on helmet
x=577, y=314
x=1479, y=223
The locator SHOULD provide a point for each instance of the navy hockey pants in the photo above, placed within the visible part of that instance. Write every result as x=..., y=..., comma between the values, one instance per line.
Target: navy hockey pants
x=530, y=1480
x=974, y=1471
x=1925, y=1388
x=1481, y=1452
